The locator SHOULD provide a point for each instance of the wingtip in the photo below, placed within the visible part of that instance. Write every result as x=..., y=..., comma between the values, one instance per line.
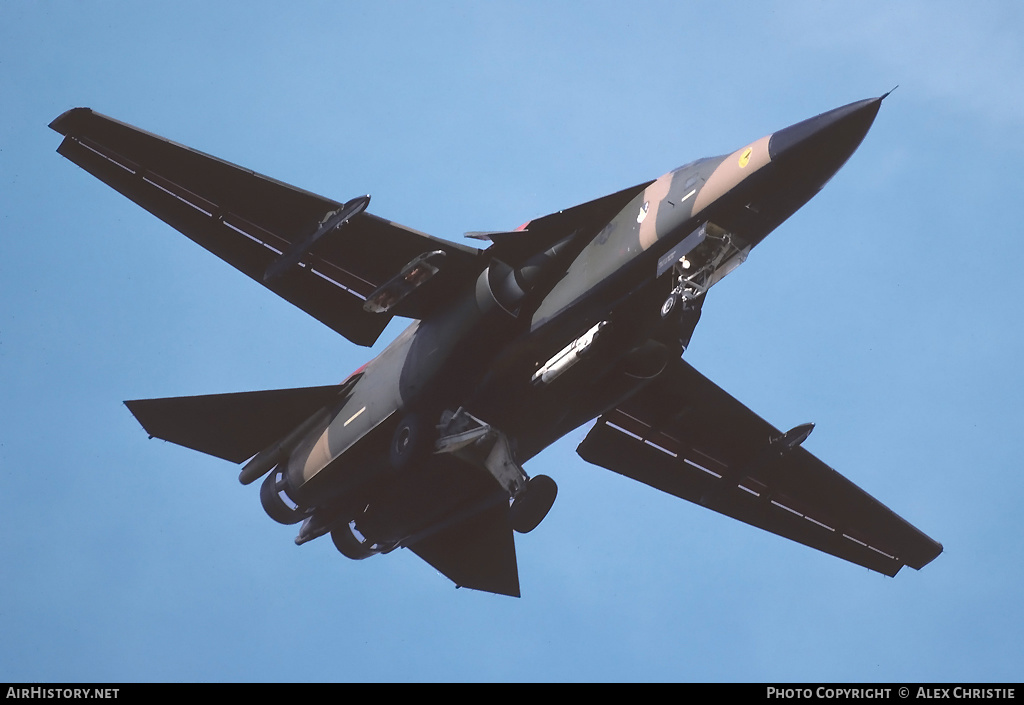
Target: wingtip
x=63, y=122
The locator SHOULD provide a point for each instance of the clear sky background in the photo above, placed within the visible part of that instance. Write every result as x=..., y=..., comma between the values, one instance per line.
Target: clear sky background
x=888, y=311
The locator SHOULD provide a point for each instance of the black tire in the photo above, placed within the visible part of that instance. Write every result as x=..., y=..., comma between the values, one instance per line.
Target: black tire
x=533, y=504
x=409, y=442
x=666, y=308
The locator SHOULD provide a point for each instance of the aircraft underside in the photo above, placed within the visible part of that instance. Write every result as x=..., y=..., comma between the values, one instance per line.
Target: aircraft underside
x=582, y=314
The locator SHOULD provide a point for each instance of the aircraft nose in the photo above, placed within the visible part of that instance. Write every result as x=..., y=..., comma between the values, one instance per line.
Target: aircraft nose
x=822, y=144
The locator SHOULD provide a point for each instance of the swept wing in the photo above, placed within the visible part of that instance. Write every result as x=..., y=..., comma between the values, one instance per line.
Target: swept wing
x=686, y=436
x=251, y=221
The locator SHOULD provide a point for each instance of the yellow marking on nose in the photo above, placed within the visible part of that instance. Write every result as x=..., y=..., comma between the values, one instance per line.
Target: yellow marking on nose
x=745, y=157
x=731, y=172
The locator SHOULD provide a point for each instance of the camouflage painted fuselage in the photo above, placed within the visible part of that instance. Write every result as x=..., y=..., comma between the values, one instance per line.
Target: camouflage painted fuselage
x=580, y=314
x=481, y=350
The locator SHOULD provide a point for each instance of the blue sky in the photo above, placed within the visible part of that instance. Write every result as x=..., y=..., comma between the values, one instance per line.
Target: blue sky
x=887, y=311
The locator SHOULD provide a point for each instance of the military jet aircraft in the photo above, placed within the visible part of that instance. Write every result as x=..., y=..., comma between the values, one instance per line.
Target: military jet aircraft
x=581, y=314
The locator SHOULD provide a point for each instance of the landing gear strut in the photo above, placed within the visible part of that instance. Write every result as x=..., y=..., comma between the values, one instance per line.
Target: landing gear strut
x=480, y=444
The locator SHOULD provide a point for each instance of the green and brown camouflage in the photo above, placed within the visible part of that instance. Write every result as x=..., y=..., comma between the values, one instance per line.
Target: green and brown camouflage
x=579, y=315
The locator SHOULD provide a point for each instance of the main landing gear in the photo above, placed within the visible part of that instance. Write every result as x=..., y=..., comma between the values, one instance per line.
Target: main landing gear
x=483, y=446
x=532, y=503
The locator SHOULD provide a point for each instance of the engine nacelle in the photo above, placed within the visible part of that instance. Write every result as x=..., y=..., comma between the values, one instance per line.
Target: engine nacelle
x=507, y=287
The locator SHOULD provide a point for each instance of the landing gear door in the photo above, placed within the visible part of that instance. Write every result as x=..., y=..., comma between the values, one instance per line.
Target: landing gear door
x=687, y=245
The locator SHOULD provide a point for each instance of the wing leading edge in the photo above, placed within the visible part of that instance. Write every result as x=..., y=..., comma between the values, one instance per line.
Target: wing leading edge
x=686, y=436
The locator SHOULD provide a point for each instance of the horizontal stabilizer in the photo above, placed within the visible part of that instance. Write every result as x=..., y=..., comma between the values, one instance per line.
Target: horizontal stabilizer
x=232, y=426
